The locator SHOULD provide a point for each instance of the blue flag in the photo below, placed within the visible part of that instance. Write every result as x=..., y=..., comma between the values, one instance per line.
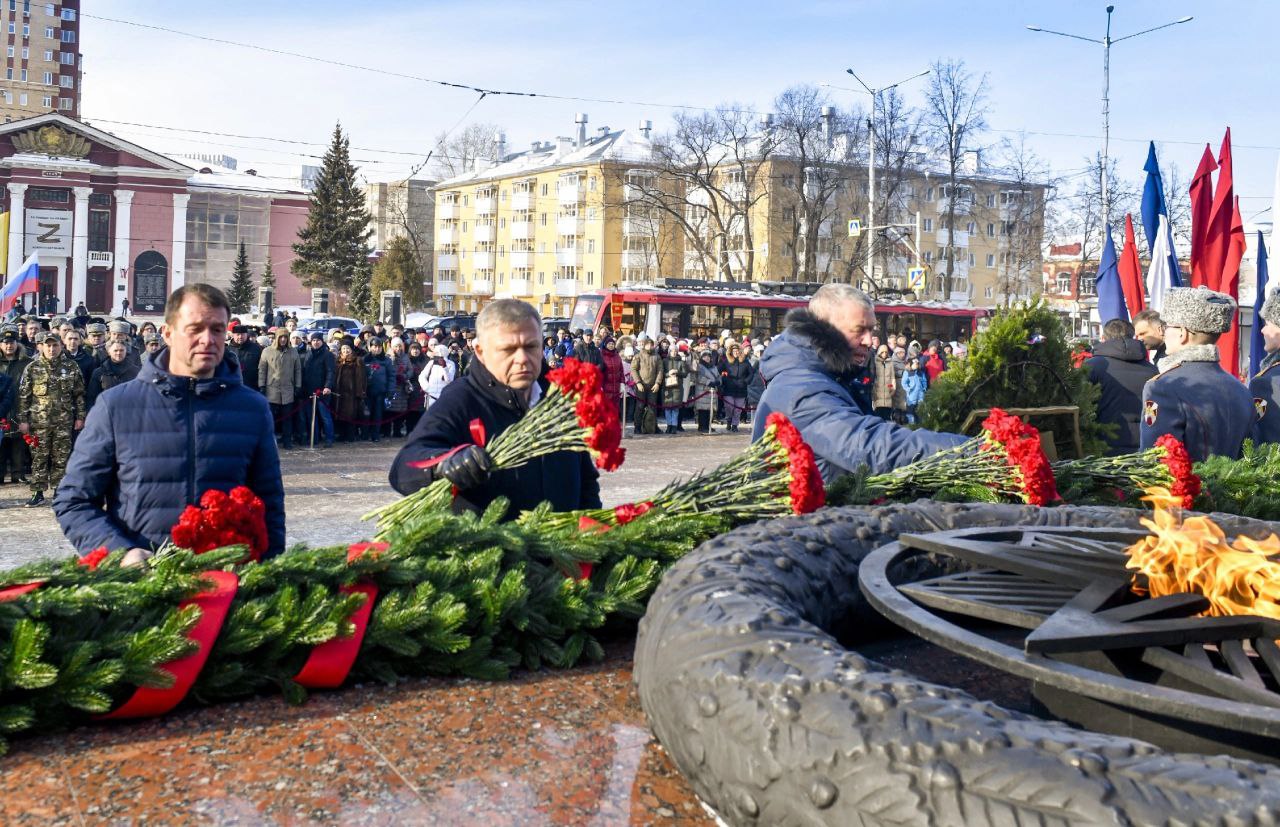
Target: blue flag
x=1257, y=348
x=1154, y=206
x=1110, y=294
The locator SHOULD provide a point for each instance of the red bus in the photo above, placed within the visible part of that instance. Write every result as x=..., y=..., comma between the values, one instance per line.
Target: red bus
x=691, y=314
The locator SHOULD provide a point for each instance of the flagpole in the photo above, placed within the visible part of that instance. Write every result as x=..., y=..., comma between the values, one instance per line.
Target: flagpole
x=1107, y=42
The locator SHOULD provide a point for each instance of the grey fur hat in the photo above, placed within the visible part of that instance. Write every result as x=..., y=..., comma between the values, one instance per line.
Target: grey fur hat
x=1271, y=307
x=1198, y=309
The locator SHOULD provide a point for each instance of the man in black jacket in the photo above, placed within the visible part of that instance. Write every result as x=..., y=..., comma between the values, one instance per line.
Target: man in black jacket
x=318, y=365
x=1120, y=368
x=589, y=351
x=249, y=354
x=504, y=382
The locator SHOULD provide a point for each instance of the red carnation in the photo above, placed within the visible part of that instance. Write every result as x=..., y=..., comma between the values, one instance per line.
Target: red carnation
x=1020, y=443
x=594, y=412
x=1186, y=483
x=93, y=558
x=807, y=491
x=627, y=512
x=31, y=439
x=357, y=550
x=223, y=519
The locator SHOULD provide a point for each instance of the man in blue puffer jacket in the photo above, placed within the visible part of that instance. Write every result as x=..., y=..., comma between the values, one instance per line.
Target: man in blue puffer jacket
x=154, y=445
x=816, y=372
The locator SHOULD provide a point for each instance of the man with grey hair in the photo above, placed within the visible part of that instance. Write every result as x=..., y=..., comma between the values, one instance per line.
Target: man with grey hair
x=505, y=380
x=1193, y=399
x=817, y=376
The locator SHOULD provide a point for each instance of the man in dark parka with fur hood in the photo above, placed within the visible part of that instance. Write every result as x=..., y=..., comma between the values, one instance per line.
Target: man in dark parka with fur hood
x=815, y=371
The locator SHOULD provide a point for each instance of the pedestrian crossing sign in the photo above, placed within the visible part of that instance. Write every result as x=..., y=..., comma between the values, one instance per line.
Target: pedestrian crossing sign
x=855, y=227
x=915, y=278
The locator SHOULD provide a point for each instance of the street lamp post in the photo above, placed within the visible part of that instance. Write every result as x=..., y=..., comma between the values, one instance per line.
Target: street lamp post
x=871, y=171
x=1107, y=42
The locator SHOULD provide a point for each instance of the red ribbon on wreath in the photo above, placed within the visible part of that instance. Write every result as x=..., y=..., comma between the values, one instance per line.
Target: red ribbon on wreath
x=214, y=603
x=330, y=662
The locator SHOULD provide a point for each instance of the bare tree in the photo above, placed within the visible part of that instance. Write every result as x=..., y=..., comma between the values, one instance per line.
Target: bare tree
x=410, y=209
x=955, y=117
x=811, y=164
x=1026, y=194
x=710, y=179
x=1085, y=220
x=454, y=154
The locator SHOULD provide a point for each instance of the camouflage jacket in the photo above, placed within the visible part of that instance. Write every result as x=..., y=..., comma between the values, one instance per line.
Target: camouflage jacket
x=51, y=391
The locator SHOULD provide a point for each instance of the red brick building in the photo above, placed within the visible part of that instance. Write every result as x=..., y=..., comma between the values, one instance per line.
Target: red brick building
x=111, y=220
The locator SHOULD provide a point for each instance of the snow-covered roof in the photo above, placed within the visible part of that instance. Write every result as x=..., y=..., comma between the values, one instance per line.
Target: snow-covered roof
x=213, y=176
x=623, y=146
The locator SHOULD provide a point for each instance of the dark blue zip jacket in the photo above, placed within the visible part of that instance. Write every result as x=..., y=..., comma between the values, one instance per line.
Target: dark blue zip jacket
x=813, y=381
x=379, y=374
x=155, y=444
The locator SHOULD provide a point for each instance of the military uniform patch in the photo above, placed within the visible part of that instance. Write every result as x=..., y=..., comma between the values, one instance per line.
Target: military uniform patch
x=1149, y=412
x=1260, y=406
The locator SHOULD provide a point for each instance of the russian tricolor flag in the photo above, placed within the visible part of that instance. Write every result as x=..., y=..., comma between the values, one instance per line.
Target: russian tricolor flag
x=26, y=280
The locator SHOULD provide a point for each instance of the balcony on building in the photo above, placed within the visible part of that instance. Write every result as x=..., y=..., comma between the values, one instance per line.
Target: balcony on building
x=522, y=201
x=565, y=288
x=485, y=206
x=570, y=225
x=484, y=232
x=964, y=205
x=447, y=261
x=521, y=259
x=639, y=258
x=521, y=229
x=482, y=259
x=447, y=287
x=446, y=235
x=568, y=257
x=962, y=238
x=446, y=211
x=482, y=286
x=637, y=225
x=521, y=286
x=570, y=193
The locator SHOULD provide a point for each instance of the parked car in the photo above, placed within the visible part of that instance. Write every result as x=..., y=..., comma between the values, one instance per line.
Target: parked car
x=326, y=323
x=552, y=324
x=464, y=321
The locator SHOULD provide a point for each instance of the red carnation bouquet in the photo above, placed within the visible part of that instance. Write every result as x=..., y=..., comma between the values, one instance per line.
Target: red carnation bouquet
x=776, y=475
x=223, y=519
x=1004, y=462
x=1167, y=465
x=574, y=415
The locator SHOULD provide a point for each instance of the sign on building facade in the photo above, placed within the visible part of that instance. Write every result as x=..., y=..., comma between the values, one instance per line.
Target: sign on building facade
x=48, y=231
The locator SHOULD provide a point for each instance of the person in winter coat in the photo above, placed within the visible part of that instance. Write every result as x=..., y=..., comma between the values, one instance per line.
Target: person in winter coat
x=280, y=379
x=588, y=351
x=417, y=396
x=706, y=388
x=14, y=454
x=914, y=384
x=672, y=395
x=611, y=365
x=80, y=353
x=153, y=446
x=436, y=376
x=736, y=375
x=379, y=374
x=646, y=372
x=935, y=364
x=117, y=370
x=809, y=368
x=505, y=381
x=397, y=393
x=885, y=383
x=350, y=388
x=1120, y=369
x=318, y=367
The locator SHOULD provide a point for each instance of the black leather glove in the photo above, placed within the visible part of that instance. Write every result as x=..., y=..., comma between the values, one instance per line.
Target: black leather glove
x=467, y=468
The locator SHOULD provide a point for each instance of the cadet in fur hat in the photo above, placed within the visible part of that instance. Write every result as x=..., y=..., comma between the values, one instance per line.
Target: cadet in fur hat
x=1265, y=386
x=1193, y=398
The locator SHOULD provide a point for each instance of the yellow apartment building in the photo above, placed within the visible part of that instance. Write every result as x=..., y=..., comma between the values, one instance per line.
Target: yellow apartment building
x=594, y=211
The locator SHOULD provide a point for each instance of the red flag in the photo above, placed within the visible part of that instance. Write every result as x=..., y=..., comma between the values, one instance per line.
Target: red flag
x=1135, y=294
x=1201, y=207
x=1217, y=238
x=1229, y=344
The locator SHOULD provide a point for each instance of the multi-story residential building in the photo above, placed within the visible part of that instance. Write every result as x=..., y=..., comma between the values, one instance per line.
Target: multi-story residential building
x=585, y=213
x=42, y=63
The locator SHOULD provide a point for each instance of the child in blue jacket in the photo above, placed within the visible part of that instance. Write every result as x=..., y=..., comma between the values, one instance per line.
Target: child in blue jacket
x=914, y=383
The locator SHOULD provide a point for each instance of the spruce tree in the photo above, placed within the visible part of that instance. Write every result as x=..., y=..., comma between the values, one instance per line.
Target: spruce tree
x=268, y=274
x=335, y=242
x=360, y=301
x=398, y=270
x=241, y=293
